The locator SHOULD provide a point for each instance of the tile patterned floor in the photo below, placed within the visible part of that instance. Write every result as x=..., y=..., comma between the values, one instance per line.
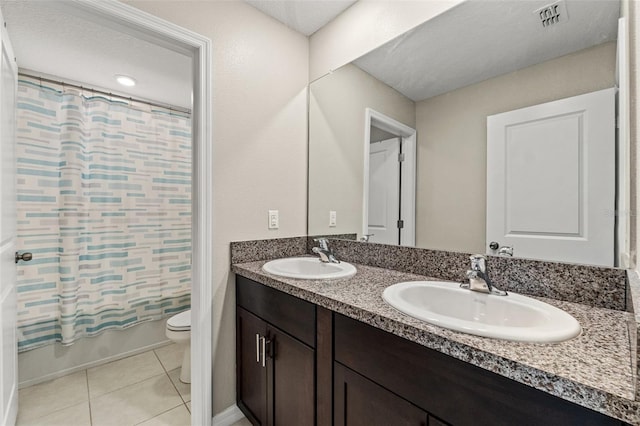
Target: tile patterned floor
x=140, y=390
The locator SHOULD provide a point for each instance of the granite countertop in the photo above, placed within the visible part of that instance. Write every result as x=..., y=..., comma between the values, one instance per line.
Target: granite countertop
x=595, y=370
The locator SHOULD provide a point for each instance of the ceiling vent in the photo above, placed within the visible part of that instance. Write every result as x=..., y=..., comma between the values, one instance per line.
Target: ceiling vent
x=553, y=14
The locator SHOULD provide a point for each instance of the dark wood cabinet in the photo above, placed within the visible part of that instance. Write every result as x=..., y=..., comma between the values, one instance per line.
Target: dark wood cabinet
x=322, y=368
x=293, y=386
x=359, y=401
x=454, y=391
x=275, y=369
x=252, y=376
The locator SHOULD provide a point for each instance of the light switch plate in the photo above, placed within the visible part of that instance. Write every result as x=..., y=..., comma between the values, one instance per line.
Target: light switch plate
x=332, y=218
x=274, y=219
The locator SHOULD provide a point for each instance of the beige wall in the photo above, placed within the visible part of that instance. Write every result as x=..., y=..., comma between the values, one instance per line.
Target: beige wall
x=451, y=205
x=337, y=106
x=260, y=143
x=365, y=26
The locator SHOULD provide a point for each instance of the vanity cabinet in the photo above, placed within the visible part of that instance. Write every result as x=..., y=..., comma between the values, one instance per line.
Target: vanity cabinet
x=275, y=357
x=450, y=390
x=323, y=368
x=358, y=400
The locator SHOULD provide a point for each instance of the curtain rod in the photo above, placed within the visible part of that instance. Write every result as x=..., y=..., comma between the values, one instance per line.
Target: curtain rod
x=109, y=94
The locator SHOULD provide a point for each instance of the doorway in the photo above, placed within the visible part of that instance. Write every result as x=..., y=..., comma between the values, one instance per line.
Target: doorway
x=139, y=24
x=385, y=167
x=389, y=180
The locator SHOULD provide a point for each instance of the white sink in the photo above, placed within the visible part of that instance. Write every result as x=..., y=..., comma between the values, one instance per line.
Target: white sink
x=512, y=317
x=309, y=268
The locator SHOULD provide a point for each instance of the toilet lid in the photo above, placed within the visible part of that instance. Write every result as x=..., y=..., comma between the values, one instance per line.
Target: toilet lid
x=180, y=322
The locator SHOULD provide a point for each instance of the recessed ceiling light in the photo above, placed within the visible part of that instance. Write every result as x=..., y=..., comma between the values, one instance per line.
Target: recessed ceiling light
x=125, y=80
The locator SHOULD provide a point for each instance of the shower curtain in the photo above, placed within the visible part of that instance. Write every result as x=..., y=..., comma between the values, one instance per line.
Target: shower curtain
x=104, y=205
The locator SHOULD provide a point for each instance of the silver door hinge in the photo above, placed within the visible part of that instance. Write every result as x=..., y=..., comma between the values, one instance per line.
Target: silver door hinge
x=400, y=224
x=400, y=157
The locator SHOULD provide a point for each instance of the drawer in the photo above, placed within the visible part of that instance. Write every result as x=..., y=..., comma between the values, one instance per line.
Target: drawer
x=290, y=314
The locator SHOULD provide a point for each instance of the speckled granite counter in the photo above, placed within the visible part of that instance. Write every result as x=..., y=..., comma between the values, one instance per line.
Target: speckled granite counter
x=595, y=370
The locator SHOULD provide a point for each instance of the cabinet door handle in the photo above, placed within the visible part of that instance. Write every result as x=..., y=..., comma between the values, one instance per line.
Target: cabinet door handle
x=258, y=348
x=264, y=345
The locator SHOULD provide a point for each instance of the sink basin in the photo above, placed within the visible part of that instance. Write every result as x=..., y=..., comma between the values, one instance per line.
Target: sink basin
x=309, y=268
x=512, y=317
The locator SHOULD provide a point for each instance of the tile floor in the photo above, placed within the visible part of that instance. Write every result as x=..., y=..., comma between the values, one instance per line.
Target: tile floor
x=141, y=390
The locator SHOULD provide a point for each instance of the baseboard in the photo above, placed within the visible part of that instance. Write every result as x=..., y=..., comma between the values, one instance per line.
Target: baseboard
x=228, y=416
x=91, y=364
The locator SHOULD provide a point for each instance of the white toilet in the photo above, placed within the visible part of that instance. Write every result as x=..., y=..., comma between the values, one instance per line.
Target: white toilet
x=179, y=330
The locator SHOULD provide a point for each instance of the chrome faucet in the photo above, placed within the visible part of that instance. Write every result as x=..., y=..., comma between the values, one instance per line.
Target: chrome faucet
x=325, y=253
x=479, y=278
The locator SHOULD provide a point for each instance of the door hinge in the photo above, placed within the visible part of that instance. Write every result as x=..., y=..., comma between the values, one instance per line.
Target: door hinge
x=400, y=157
x=400, y=224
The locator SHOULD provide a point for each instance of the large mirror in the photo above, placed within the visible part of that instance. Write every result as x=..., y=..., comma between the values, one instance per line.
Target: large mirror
x=424, y=98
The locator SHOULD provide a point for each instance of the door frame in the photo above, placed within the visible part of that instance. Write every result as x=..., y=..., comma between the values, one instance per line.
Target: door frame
x=408, y=173
x=623, y=166
x=143, y=25
x=8, y=295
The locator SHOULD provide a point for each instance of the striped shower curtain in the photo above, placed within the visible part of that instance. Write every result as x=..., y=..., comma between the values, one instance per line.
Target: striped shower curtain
x=104, y=205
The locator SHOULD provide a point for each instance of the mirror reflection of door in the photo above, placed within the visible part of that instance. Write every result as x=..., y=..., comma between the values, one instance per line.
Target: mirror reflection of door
x=551, y=179
x=445, y=94
x=389, y=190
x=384, y=189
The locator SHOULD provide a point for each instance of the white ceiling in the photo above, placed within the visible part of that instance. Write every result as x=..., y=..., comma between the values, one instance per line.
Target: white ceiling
x=304, y=16
x=47, y=38
x=481, y=39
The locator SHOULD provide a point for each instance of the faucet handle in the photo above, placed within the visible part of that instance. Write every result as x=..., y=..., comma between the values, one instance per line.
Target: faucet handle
x=505, y=251
x=478, y=262
x=322, y=242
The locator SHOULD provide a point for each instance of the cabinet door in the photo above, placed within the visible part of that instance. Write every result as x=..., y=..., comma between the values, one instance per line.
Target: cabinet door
x=251, y=376
x=359, y=401
x=291, y=380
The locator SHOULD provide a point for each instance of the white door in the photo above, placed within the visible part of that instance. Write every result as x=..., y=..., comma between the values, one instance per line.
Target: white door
x=551, y=179
x=8, y=304
x=384, y=191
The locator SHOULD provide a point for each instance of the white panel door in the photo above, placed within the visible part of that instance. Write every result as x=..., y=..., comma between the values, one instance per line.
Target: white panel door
x=384, y=191
x=551, y=179
x=8, y=304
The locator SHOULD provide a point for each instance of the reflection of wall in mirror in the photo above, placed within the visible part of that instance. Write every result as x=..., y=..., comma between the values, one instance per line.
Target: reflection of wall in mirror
x=451, y=128
x=451, y=205
x=337, y=106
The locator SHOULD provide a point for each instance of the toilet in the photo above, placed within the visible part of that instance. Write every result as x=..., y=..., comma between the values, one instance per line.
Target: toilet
x=179, y=330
